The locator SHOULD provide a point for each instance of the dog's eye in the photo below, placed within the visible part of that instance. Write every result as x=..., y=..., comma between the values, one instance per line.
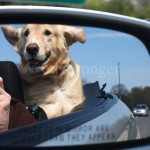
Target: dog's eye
x=26, y=33
x=47, y=32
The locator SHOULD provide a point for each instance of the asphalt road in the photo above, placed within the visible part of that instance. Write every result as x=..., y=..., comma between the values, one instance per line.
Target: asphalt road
x=144, y=126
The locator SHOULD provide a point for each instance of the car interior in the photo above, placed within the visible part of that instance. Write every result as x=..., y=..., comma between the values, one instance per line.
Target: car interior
x=95, y=100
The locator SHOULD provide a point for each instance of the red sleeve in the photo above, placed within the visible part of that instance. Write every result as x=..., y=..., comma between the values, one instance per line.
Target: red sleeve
x=19, y=116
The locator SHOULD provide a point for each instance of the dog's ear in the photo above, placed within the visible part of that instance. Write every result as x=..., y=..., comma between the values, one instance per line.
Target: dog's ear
x=12, y=34
x=73, y=35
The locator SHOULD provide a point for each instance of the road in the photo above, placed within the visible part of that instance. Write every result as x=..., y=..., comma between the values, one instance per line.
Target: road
x=144, y=126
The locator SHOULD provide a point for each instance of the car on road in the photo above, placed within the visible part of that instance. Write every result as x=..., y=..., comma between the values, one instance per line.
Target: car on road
x=140, y=110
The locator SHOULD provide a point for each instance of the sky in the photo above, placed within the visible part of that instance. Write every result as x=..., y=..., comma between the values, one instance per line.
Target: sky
x=99, y=57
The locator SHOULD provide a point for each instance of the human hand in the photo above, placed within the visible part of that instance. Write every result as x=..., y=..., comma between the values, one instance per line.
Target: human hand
x=5, y=100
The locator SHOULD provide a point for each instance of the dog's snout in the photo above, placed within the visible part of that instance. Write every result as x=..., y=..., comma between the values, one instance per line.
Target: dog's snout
x=32, y=49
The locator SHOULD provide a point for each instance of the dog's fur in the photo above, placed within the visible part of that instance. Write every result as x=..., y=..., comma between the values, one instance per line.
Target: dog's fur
x=51, y=79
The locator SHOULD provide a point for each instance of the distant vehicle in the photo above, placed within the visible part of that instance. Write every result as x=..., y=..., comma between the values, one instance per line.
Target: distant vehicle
x=140, y=110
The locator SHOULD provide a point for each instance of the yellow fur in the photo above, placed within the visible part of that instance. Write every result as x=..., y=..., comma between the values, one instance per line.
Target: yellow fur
x=56, y=93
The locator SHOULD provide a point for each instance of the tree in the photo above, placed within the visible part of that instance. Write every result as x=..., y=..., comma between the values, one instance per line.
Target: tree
x=136, y=96
x=140, y=95
x=119, y=90
x=125, y=7
x=136, y=8
x=85, y=81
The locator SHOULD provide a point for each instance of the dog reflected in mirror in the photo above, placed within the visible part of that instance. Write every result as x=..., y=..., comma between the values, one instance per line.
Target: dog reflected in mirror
x=50, y=77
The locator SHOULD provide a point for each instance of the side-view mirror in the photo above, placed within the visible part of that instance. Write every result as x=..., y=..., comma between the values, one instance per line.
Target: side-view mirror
x=110, y=56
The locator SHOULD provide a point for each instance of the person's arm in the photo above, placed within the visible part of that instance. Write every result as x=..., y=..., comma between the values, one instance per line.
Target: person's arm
x=5, y=100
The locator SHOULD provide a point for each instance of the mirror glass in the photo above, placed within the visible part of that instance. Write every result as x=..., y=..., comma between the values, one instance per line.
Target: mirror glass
x=118, y=59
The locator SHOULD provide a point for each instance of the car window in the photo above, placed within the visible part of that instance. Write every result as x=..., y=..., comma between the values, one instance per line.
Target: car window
x=143, y=107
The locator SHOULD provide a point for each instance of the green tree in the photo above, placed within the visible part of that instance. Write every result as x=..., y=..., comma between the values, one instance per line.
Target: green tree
x=95, y=5
x=136, y=8
x=119, y=90
x=124, y=7
x=131, y=98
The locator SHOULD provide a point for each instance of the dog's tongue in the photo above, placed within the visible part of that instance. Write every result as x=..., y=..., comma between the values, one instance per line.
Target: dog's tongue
x=33, y=62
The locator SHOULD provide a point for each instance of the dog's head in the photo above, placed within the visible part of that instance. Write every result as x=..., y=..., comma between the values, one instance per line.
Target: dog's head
x=43, y=47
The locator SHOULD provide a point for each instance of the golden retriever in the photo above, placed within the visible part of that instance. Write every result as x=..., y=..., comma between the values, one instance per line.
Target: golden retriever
x=51, y=78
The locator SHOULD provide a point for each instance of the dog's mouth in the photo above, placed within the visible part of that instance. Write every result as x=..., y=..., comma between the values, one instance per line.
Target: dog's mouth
x=36, y=65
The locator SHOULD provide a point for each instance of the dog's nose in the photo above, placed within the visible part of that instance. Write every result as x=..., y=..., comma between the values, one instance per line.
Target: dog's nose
x=32, y=49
